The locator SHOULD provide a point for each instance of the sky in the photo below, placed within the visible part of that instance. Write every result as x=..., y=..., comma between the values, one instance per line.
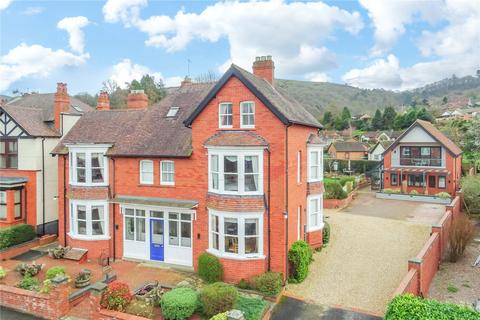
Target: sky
x=394, y=45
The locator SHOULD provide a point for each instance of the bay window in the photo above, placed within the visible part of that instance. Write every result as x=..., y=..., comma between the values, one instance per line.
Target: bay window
x=225, y=115
x=146, y=172
x=315, y=164
x=235, y=172
x=17, y=202
x=247, y=114
x=167, y=172
x=89, y=219
x=315, y=212
x=236, y=235
x=88, y=166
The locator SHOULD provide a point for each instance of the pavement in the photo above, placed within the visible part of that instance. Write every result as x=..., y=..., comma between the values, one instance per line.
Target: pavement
x=8, y=314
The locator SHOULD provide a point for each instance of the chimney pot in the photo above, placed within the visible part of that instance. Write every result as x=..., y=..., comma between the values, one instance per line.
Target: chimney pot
x=264, y=67
x=137, y=99
x=103, y=101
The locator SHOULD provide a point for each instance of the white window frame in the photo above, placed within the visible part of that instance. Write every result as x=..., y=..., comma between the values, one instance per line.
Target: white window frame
x=88, y=150
x=163, y=182
x=444, y=179
x=220, y=115
x=320, y=223
x=247, y=126
x=240, y=154
x=241, y=217
x=142, y=172
x=3, y=204
x=73, y=232
x=312, y=151
x=172, y=112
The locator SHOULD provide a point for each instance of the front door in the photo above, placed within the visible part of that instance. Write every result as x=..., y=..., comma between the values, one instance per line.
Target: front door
x=431, y=181
x=156, y=240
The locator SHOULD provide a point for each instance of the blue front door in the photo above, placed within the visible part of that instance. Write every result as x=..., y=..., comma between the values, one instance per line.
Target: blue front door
x=156, y=240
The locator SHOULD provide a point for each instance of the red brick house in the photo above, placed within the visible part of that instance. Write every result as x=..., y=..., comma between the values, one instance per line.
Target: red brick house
x=422, y=159
x=233, y=168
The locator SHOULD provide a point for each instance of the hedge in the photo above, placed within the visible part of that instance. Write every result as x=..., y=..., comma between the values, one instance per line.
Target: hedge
x=210, y=268
x=179, y=303
x=357, y=166
x=409, y=307
x=300, y=256
x=217, y=297
x=269, y=283
x=17, y=234
x=334, y=190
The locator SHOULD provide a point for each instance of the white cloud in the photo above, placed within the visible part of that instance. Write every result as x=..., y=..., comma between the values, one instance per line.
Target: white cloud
x=293, y=33
x=126, y=71
x=317, y=77
x=4, y=4
x=34, y=60
x=74, y=25
x=31, y=11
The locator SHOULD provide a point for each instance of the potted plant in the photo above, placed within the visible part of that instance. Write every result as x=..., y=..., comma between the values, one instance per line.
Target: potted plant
x=58, y=252
x=83, y=278
x=29, y=269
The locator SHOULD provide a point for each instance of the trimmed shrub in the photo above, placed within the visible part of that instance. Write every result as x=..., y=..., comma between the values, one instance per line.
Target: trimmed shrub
x=29, y=283
x=116, y=296
x=269, y=283
x=461, y=233
x=334, y=190
x=409, y=307
x=243, y=284
x=300, y=256
x=140, y=308
x=217, y=298
x=251, y=307
x=209, y=268
x=443, y=195
x=54, y=271
x=179, y=303
x=326, y=233
x=17, y=234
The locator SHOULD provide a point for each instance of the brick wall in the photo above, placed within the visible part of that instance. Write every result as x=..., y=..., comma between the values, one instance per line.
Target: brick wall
x=315, y=238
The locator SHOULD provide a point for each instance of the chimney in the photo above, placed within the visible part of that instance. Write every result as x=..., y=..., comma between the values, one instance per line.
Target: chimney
x=264, y=67
x=103, y=101
x=61, y=103
x=187, y=81
x=137, y=99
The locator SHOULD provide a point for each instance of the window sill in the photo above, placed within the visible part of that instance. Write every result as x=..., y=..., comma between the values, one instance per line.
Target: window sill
x=235, y=193
x=317, y=228
x=234, y=256
x=87, y=238
x=313, y=181
x=89, y=184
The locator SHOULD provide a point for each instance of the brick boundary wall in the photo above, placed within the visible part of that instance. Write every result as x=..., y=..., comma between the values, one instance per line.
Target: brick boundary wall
x=423, y=267
x=13, y=251
x=338, y=203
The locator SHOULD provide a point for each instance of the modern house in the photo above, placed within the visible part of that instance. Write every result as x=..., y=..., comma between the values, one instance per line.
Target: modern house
x=233, y=168
x=422, y=159
x=347, y=150
x=30, y=127
x=376, y=152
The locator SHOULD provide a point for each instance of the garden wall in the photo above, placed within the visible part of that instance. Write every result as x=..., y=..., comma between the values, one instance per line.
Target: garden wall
x=423, y=267
x=24, y=247
x=338, y=203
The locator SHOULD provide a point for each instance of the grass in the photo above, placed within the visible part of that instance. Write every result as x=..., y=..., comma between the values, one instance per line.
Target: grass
x=251, y=307
x=452, y=289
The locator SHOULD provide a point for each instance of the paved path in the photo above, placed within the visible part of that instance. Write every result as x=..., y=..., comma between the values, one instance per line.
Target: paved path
x=365, y=260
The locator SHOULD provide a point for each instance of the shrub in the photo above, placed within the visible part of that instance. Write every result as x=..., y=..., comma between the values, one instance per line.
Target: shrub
x=29, y=283
x=17, y=234
x=179, y=303
x=116, y=296
x=54, y=271
x=461, y=233
x=217, y=298
x=391, y=191
x=334, y=190
x=140, y=308
x=345, y=179
x=269, y=283
x=220, y=316
x=414, y=192
x=471, y=193
x=252, y=308
x=443, y=195
x=3, y=273
x=409, y=307
x=326, y=233
x=300, y=256
x=209, y=268
x=29, y=269
x=243, y=284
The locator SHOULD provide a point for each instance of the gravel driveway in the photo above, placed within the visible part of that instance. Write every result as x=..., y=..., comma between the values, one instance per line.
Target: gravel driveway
x=364, y=262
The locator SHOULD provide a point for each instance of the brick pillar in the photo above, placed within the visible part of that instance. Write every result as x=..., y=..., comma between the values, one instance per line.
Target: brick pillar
x=59, y=304
x=95, y=298
x=416, y=264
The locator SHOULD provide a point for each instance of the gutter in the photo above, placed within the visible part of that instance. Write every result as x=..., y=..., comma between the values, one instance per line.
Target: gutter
x=113, y=210
x=65, y=200
x=43, y=186
x=268, y=211
x=286, y=203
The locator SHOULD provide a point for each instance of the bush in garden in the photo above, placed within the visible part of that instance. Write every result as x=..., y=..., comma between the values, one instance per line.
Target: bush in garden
x=29, y=283
x=391, y=191
x=116, y=296
x=54, y=271
x=443, y=195
x=334, y=190
x=220, y=316
x=345, y=179
x=409, y=307
x=31, y=269
x=210, y=268
x=300, y=256
x=414, y=192
x=326, y=233
x=269, y=283
x=217, y=298
x=461, y=233
x=471, y=193
x=140, y=308
x=243, y=284
x=17, y=234
x=3, y=273
x=251, y=307
x=179, y=303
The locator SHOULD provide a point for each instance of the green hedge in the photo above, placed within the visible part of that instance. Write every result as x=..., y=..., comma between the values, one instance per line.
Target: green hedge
x=357, y=166
x=17, y=234
x=269, y=283
x=409, y=307
x=326, y=233
x=179, y=303
x=217, y=298
x=300, y=256
x=210, y=268
x=334, y=190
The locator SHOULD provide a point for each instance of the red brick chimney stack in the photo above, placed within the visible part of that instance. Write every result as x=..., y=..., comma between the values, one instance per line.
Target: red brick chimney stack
x=61, y=103
x=137, y=99
x=103, y=101
x=187, y=81
x=264, y=67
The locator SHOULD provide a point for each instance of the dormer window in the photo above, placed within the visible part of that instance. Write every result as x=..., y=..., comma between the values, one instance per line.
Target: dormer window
x=225, y=115
x=172, y=112
x=247, y=114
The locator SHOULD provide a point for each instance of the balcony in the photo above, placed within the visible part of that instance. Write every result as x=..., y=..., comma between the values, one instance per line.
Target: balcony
x=420, y=162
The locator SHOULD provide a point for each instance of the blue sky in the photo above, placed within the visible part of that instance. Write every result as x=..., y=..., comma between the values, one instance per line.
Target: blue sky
x=372, y=44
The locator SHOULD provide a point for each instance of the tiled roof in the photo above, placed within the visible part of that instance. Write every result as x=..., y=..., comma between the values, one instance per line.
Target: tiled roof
x=315, y=139
x=31, y=120
x=440, y=137
x=235, y=203
x=349, y=147
x=236, y=138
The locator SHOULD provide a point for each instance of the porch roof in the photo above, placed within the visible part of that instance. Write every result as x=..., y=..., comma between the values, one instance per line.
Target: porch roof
x=418, y=170
x=9, y=182
x=153, y=201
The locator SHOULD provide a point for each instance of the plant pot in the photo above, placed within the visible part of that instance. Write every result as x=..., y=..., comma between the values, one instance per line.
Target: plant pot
x=82, y=283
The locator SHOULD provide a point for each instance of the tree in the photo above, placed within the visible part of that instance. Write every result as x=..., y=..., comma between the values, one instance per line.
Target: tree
x=327, y=118
x=389, y=115
x=346, y=115
x=152, y=88
x=87, y=98
x=471, y=140
x=377, y=121
x=340, y=124
x=423, y=114
x=209, y=76
x=118, y=96
x=444, y=100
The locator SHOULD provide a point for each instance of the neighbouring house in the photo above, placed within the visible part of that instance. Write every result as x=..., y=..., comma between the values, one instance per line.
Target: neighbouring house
x=376, y=152
x=422, y=159
x=330, y=136
x=376, y=136
x=347, y=150
x=232, y=168
x=30, y=127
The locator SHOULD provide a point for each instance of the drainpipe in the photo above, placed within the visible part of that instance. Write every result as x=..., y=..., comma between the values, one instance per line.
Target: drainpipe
x=113, y=211
x=43, y=186
x=65, y=200
x=286, y=203
x=268, y=211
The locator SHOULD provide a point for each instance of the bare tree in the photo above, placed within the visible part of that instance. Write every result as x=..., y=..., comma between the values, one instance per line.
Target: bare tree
x=209, y=76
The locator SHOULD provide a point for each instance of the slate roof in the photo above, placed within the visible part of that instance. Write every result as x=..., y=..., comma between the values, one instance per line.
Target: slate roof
x=349, y=146
x=315, y=139
x=384, y=144
x=288, y=110
x=141, y=132
x=234, y=138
